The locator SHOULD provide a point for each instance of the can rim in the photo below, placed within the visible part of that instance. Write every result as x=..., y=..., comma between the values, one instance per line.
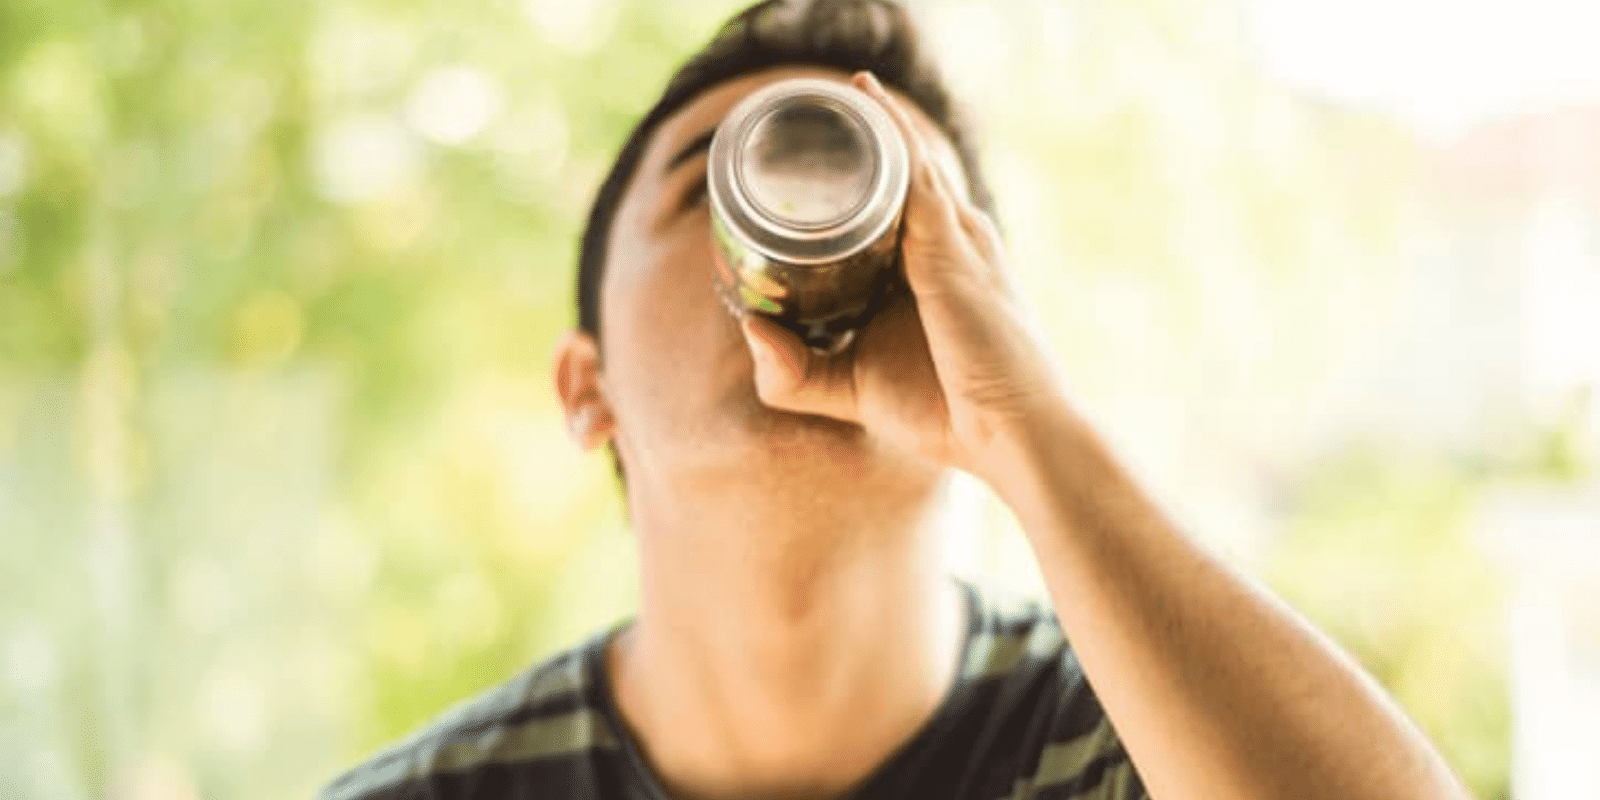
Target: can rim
x=740, y=174
x=852, y=232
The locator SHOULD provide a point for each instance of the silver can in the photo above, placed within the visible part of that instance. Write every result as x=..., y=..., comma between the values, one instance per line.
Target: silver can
x=807, y=180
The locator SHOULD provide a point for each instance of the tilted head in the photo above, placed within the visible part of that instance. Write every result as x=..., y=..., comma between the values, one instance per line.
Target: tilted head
x=673, y=394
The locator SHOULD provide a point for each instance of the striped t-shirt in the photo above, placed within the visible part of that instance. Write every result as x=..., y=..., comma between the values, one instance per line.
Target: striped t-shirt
x=1020, y=722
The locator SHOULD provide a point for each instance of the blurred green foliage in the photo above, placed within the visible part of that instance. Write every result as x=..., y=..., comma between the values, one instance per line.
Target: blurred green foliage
x=280, y=472
x=1366, y=523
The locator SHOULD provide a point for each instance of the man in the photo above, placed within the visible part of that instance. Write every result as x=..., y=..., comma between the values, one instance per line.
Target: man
x=796, y=637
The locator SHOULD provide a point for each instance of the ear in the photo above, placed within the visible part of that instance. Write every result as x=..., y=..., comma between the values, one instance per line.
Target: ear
x=590, y=421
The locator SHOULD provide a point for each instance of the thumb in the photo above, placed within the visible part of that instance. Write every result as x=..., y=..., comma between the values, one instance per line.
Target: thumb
x=791, y=377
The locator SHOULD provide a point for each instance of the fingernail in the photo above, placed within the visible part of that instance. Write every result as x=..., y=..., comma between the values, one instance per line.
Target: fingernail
x=764, y=353
x=750, y=343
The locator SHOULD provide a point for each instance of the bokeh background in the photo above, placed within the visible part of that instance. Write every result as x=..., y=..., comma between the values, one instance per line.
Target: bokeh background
x=282, y=473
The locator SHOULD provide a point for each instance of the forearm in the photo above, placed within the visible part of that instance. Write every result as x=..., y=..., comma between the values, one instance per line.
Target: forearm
x=1216, y=688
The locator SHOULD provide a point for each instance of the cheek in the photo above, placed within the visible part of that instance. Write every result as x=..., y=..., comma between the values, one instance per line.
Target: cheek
x=679, y=286
x=669, y=335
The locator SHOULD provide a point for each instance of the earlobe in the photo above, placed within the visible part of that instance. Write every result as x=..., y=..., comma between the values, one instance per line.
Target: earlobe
x=589, y=419
x=590, y=426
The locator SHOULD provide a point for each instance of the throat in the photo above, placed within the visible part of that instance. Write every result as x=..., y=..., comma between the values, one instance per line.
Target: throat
x=796, y=705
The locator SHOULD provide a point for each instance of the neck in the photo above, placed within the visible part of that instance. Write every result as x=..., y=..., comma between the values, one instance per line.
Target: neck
x=784, y=654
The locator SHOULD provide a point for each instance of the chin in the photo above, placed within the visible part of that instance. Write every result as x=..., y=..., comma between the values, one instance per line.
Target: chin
x=803, y=435
x=753, y=438
x=827, y=449
x=767, y=450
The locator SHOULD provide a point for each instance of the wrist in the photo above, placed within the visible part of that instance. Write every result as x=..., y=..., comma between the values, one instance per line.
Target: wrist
x=1022, y=441
x=1053, y=470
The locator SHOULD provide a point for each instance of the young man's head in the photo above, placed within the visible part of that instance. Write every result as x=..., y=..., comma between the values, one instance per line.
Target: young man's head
x=658, y=368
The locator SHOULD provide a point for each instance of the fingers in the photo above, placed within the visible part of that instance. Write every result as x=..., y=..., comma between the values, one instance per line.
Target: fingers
x=929, y=205
x=982, y=231
x=790, y=377
x=985, y=236
x=937, y=214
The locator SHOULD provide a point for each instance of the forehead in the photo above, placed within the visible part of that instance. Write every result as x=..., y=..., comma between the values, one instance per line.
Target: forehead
x=708, y=109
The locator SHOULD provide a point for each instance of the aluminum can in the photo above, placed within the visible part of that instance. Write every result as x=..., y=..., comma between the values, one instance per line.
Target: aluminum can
x=807, y=181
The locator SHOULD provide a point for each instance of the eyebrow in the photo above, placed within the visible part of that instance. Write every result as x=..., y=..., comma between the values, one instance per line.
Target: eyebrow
x=697, y=145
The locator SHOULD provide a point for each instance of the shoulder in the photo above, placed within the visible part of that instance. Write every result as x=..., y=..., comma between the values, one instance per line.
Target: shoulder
x=1010, y=631
x=547, y=712
x=1050, y=737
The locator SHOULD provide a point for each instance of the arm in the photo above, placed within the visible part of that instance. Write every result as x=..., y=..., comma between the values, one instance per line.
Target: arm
x=1215, y=687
